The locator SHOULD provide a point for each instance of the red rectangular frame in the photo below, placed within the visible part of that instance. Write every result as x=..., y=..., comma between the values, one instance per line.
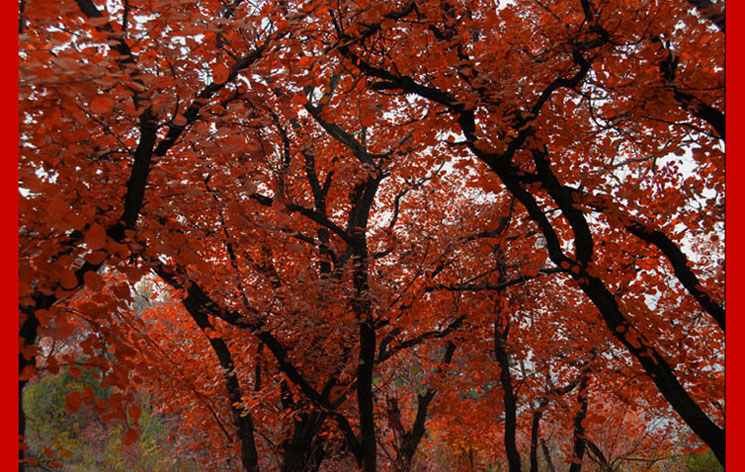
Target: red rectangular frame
x=9, y=244
x=9, y=192
x=733, y=229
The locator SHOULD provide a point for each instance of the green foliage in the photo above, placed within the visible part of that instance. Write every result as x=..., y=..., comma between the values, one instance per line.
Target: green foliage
x=82, y=442
x=704, y=462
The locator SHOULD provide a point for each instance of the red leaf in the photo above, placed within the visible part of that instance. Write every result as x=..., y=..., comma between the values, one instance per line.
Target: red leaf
x=74, y=400
x=220, y=73
x=93, y=281
x=101, y=104
x=96, y=258
x=68, y=280
x=27, y=372
x=95, y=237
x=131, y=436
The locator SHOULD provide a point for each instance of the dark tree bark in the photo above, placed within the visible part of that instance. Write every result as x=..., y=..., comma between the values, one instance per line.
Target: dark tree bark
x=501, y=331
x=133, y=204
x=578, y=448
x=241, y=420
x=365, y=398
x=136, y=184
x=547, y=456
x=520, y=185
x=688, y=101
x=534, y=434
x=535, y=427
x=409, y=439
x=710, y=11
x=597, y=455
x=303, y=450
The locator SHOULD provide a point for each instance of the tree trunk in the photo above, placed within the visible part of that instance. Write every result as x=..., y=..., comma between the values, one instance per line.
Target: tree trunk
x=547, y=456
x=364, y=195
x=578, y=450
x=618, y=324
x=303, y=452
x=365, y=399
x=242, y=421
x=510, y=401
x=534, y=433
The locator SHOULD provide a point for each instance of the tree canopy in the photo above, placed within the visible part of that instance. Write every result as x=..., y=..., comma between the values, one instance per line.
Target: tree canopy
x=378, y=235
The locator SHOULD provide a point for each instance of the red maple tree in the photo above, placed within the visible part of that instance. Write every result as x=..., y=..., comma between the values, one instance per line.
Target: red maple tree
x=384, y=235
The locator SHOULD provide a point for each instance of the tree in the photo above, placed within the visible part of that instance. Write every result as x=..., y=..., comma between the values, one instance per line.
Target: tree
x=368, y=216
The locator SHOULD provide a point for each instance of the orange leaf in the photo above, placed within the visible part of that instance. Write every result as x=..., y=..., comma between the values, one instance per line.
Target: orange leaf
x=130, y=437
x=96, y=258
x=93, y=281
x=98, y=21
x=220, y=74
x=73, y=401
x=27, y=372
x=101, y=104
x=95, y=237
x=68, y=280
x=135, y=411
x=367, y=119
x=298, y=99
x=52, y=366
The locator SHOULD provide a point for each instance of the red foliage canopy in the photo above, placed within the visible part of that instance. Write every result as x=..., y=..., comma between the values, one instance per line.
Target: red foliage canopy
x=381, y=233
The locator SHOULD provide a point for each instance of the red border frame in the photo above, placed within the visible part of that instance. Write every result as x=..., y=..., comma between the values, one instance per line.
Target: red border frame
x=734, y=227
x=9, y=245
x=9, y=196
